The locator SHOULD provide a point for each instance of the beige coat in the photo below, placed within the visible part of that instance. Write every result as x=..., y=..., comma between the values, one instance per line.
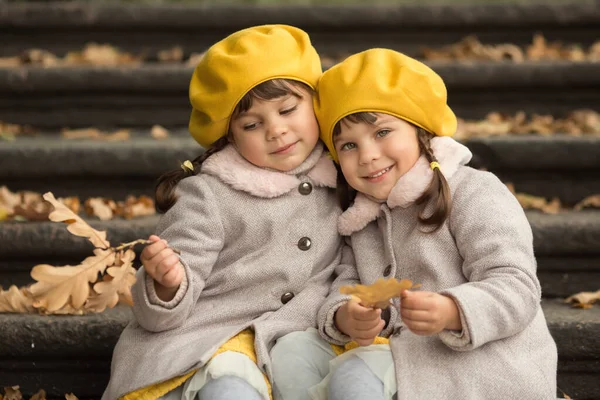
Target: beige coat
x=482, y=258
x=259, y=249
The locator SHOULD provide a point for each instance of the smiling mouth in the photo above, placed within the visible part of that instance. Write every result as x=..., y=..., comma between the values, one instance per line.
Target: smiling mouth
x=284, y=149
x=378, y=174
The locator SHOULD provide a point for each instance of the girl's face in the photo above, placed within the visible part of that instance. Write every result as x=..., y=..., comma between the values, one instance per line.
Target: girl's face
x=278, y=134
x=374, y=156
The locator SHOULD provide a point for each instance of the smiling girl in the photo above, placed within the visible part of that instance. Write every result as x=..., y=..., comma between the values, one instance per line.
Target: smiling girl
x=413, y=209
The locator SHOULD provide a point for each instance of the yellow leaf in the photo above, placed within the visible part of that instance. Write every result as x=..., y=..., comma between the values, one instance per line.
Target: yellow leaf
x=378, y=294
x=77, y=226
x=70, y=396
x=57, y=285
x=590, y=201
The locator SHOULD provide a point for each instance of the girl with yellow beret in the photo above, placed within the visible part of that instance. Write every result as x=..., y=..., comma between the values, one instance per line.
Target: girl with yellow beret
x=414, y=209
x=254, y=222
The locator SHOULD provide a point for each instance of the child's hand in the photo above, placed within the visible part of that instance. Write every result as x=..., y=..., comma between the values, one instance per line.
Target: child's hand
x=163, y=265
x=360, y=323
x=427, y=313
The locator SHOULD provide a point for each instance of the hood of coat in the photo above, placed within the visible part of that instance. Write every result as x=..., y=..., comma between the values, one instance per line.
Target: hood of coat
x=450, y=154
x=233, y=169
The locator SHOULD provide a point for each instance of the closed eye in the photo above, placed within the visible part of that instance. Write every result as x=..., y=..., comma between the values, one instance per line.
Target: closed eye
x=252, y=126
x=288, y=110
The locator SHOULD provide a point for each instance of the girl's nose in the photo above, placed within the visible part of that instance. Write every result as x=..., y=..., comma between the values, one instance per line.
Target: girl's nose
x=276, y=130
x=367, y=154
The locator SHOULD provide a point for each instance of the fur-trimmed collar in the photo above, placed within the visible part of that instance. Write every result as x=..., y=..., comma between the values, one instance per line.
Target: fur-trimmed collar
x=230, y=167
x=450, y=154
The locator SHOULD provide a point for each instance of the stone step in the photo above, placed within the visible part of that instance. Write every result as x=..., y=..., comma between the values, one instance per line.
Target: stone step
x=567, y=247
x=158, y=94
x=65, y=354
x=67, y=26
x=560, y=166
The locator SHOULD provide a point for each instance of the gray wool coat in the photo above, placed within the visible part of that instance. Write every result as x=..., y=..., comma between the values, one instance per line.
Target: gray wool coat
x=259, y=248
x=482, y=257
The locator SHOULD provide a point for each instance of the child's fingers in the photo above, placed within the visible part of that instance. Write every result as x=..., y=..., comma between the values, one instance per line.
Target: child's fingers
x=366, y=326
x=167, y=264
x=416, y=300
x=173, y=276
x=153, y=238
x=416, y=315
x=361, y=313
x=151, y=250
x=418, y=326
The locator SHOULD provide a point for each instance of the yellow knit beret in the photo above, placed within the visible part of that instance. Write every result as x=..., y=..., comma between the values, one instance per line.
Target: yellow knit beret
x=385, y=81
x=232, y=67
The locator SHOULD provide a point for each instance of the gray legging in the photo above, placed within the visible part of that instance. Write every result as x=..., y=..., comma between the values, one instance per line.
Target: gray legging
x=223, y=388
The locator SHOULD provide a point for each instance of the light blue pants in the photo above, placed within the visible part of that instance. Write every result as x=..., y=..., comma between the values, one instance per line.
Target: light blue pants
x=300, y=360
x=223, y=388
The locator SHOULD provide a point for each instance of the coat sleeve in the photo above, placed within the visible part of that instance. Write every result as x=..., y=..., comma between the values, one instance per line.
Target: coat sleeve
x=495, y=242
x=346, y=274
x=193, y=226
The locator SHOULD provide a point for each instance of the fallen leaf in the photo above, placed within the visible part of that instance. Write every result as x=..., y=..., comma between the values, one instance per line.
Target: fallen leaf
x=40, y=395
x=16, y=300
x=159, y=133
x=174, y=54
x=76, y=225
x=57, y=286
x=100, y=207
x=583, y=299
x=136, y=207
x=12, y=393
x=590, y=201
x=70, y=396
x=96, y=134
x=194, y=59
x=378, y=294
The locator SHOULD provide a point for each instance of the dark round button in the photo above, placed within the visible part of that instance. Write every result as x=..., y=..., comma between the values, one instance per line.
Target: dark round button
x=286, y=297
x=305, y=188
x=304, y=244
x=387, y=271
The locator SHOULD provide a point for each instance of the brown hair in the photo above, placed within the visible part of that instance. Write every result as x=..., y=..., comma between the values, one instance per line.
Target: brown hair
x=165, y=196
x=437, y=192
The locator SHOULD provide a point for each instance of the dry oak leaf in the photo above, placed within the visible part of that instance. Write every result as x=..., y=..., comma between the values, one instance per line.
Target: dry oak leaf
x=40, y=395
x=159, y=133
x=100, y=207
x=529, y=202
x=116, y=286
x=77, y=226
x=12, y=393
x=136, y=207
x=379, y=294
x=583, y=299
x=70, y=396
x=16, y=300
x=59, y=286
x=590, y=201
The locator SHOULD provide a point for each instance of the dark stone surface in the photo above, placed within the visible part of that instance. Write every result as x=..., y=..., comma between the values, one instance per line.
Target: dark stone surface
x=73, y=353
x=564, y=234
x=147, y=95
x=70, y=25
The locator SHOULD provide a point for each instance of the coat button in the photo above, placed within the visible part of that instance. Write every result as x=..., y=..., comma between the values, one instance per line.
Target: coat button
x=387, y=271
x=286, y=297
x=305, y=188
x=304, y=243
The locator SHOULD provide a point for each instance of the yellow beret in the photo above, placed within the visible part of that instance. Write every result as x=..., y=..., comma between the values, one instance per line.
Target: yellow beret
x=385, y=81
x=232, y=67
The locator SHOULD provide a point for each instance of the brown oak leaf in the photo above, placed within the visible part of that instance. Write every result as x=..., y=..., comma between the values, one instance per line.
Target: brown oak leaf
x=16, y=300
x=590, y=201
x=76, y=225
x=583, y=299
x=116, y=286
x=55, y=286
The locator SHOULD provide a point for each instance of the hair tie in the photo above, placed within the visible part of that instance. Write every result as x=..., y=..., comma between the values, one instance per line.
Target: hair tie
x=434, y=165
x=187, y=165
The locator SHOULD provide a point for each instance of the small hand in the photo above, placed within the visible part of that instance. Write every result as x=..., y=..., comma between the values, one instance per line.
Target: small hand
x=360, y=323
x=427, y=313
x=163, y=265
